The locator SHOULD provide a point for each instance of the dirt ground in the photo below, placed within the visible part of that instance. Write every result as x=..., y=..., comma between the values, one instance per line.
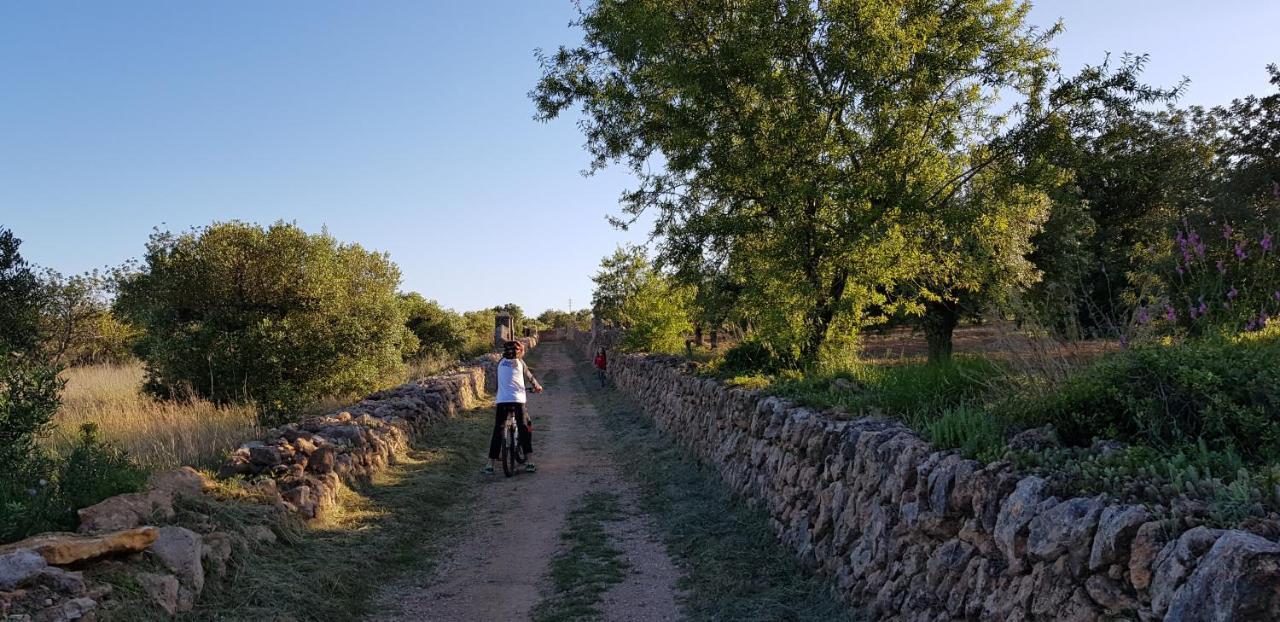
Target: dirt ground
x=498, y=569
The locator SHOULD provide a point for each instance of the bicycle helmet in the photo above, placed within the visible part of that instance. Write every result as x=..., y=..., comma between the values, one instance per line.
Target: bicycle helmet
x=510, y=349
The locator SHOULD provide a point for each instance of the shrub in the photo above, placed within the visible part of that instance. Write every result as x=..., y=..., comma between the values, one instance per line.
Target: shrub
x=912, y=391
x=1225, y=391
x=441, y=333
x=659, y=316
x=974, y=431
x=238, y=312
x=751, y=357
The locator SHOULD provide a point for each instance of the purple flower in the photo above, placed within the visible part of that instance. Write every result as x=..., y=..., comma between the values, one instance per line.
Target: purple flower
x=1226, y=232
x=1266, y=242
x=1240, y=254
x=1231, y=295
x=1200, y=249
x=1251, y=326
x=1179, y=270
x=1171, y=315
x=1191, y=312
x=1222, y=267
x=1204, y=308
x=1143, y=316
x=1276, y=295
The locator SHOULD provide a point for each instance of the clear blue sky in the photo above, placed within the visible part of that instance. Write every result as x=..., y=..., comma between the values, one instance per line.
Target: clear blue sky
x=404, y=126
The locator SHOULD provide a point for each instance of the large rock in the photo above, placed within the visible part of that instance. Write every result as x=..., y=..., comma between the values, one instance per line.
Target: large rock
x=1238, y=579
x=1146, y=545
x=180, y=549
x=1175, y=562
x=126, y=511
x=182, y=482
x=61, y=549
x=1065, y=529
x=1016, y=513
x=1116, y=528
x=19, y=566
x=162, y=589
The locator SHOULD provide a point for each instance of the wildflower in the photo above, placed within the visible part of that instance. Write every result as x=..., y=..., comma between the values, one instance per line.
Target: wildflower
x=1276, y=295
x=1222, y=267
x=43, y=482
x=1251, y=326
x=1204, y=308
x=1200, y=249
x=1171, y=315
x=1231, y=295
x=1179, y=270
x=1266, y=242
x=1240, y=254
x=1143, y=316
x=1226, y=232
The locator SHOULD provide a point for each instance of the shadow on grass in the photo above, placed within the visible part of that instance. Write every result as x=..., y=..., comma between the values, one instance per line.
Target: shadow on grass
x=733, y=566
x=394, y=526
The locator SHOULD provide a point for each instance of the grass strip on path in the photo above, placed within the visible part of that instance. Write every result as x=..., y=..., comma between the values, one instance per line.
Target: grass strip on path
x=734, y=568
x=332, y=571
x=587, y=564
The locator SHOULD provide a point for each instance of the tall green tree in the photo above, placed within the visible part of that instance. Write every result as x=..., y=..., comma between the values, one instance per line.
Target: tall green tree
x=440, y=331
x=235, y=312
x=21, y=298
x=619, y=278
x=810, y=136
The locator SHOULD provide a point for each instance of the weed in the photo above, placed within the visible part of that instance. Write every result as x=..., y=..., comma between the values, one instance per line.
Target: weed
x=587, y=565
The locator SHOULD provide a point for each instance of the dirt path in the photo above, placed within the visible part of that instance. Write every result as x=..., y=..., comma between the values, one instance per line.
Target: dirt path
x=521, y=518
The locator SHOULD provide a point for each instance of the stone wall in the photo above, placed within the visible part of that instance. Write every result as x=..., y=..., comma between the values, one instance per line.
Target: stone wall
x=911, y=533
x=296, y=469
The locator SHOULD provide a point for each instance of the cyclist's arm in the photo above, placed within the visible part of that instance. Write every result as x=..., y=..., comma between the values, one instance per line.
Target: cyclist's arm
x=528, y=376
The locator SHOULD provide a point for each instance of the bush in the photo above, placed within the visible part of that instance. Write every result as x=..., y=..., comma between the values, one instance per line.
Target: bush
x=751, y=357
x=1225, y=391
x=441, y=333
x=974, y=431
x=45, y=495
x=236, y=312
x=658, y=313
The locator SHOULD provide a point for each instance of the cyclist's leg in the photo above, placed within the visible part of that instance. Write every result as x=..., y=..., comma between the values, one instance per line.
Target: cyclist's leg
x=500, y=419
x=524, y=436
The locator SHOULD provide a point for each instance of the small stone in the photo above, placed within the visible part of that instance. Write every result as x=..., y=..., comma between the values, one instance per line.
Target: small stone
x=260, y=534
x=1110, y=595
x=68, y=611
x=1147, y=542
x=216, y=551
x=62, y=581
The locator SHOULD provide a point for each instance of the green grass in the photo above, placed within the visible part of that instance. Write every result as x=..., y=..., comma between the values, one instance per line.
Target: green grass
x=895, y=390
x=587, y=565
x=393, y=527
x=734, y=568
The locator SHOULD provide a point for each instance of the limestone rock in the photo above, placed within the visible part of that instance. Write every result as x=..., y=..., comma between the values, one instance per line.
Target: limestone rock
x=260, y=534
x=1238, y=579
x=162, y=589
x=68, y=611
x=1175, y=562
x=1016, y=513
x=182, y=482
x=19, y=566
x=215, y=552
x=179, y=549
x=126, y=511
x=1147, y=542
x=1110, y=595
x=62, y=581
x=1064, y=529
x=1116, y=528
x=61, y=549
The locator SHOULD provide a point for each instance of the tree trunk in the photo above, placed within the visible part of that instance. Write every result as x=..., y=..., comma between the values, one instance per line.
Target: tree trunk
x=715, y=339
x=697, y=335
x=940, y=319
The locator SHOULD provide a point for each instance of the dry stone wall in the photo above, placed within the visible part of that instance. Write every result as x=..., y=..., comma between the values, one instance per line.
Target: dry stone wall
x=297, y=469
x=911, y=533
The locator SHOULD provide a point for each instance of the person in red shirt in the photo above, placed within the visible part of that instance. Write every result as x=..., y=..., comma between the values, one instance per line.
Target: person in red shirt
x=602, y=364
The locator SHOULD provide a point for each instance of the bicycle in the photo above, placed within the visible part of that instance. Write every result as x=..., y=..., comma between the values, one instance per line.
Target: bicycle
x=511, y=452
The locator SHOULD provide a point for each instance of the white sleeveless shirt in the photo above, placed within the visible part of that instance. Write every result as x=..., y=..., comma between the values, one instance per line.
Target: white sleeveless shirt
x=511, y=381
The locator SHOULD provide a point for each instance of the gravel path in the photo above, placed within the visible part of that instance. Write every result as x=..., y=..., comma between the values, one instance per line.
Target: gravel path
x=521, y=518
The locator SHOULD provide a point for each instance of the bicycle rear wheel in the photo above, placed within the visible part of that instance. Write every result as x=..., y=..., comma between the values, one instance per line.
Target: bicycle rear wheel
x=509, y=449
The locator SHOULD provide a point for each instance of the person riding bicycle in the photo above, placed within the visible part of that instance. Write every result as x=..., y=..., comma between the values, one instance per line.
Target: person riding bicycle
x=512, y=374
x=602, y=364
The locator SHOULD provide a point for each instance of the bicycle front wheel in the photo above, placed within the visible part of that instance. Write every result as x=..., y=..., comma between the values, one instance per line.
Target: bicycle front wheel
x=509, y=449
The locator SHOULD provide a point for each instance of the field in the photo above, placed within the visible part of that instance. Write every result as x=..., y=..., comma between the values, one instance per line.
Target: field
x=156, y=433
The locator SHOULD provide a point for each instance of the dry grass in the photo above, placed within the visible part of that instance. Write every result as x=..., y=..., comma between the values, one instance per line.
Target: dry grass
x=157, y=434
